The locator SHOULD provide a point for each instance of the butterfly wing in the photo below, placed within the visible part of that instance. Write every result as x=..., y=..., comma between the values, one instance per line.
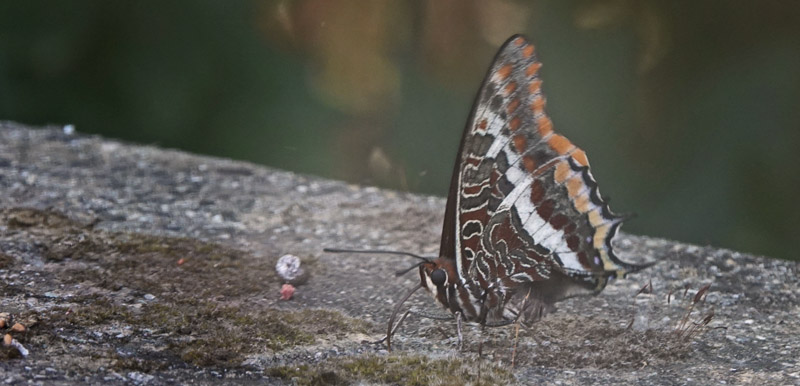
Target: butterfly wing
x=523, y=207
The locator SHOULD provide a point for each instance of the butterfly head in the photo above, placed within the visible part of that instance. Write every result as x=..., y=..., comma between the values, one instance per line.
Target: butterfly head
x=436, y=277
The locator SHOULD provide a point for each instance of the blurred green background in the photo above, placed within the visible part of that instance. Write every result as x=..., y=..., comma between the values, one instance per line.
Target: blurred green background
x=689, y=110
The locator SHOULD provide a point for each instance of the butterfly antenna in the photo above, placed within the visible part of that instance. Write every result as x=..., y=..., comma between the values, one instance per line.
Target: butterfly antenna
x=409, y=269
x=401, y=272
x=337, y=250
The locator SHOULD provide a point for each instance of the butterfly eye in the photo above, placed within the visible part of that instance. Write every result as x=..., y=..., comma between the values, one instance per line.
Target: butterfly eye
x=438, y=276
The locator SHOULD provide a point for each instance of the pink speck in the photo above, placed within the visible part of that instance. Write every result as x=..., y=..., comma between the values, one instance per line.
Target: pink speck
x=287, y=290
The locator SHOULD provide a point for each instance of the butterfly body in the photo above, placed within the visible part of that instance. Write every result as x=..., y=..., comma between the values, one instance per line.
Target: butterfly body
x=525, y=225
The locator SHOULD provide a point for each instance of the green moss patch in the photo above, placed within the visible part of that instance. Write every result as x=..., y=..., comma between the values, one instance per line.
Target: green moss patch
x=157, y=265
x=30, y=217
x=396, y=369
x=212, y=335
x=199, y=313
x=204, y=334
x=217, y=336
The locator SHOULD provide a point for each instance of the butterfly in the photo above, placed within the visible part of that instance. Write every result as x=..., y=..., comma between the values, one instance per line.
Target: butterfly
x=525, y=225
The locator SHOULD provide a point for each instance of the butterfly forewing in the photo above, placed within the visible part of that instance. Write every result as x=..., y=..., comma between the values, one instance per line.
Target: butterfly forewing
x=524, y=210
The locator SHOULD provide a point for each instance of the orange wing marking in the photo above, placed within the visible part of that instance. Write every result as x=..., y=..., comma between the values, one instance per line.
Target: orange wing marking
x=504, y=72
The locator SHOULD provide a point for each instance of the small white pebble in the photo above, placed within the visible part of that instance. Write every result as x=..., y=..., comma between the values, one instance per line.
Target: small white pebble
x=288, y=268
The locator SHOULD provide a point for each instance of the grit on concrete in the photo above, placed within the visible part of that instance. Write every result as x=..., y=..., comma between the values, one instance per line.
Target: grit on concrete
x=136, y=264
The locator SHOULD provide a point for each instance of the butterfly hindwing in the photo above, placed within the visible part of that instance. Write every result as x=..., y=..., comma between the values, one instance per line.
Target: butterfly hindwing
x=523, y=202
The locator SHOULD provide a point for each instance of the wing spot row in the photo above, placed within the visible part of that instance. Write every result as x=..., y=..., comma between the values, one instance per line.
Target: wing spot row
x=532, y=69
x=545, y=126
x=504, y=72
x=510, y=88
x=512, y=106
x=537, y=106
x=520, y=143
x=534, y=87
x=560, y=144
x=527, y=51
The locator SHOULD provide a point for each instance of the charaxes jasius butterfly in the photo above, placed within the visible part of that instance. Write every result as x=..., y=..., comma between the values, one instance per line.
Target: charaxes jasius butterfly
x=525, y=225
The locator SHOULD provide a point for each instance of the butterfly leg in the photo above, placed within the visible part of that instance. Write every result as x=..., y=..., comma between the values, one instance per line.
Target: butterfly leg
x=498, y=299
x=516, y=330
x=480, y=351
x=458, y=328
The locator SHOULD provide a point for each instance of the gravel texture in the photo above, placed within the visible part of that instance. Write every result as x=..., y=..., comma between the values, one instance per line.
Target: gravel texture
x=138, y=265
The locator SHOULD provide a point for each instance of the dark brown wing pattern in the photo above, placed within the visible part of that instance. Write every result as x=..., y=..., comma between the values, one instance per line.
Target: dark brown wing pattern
x=524, y=210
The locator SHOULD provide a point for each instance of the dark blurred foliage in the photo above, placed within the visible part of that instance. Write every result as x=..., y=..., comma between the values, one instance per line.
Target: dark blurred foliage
x=689, y=110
